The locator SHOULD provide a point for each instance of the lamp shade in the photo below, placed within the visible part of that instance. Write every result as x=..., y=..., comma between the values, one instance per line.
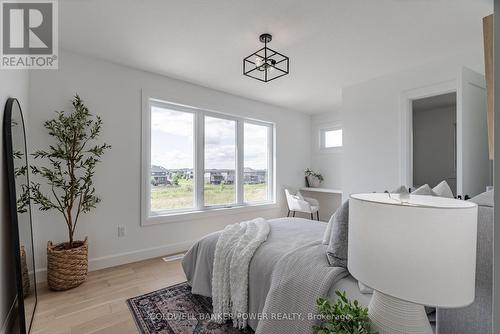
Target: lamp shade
x=422, y=251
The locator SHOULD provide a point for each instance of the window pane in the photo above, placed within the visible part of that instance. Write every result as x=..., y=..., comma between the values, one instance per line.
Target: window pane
x=333, y=138
x=256, y=163
x=220, y=161
x=172, y=159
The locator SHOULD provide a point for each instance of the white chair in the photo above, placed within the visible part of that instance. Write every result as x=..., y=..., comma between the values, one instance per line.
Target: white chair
x=298, y=203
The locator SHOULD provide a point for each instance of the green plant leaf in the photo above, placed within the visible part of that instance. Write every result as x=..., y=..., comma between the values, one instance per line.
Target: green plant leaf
x=343, y=316
x=68, y=165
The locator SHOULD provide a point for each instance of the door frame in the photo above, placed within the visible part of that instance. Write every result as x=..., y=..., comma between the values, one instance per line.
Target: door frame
x=468, y=77
x=406, y=101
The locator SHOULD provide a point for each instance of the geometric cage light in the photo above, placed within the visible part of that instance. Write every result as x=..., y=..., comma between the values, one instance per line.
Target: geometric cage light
x=266, y=64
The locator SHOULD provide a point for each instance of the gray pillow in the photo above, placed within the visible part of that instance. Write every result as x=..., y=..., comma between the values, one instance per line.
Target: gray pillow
x=328, y=231
x=442, y=190
x=337, y=249
x=484, y=199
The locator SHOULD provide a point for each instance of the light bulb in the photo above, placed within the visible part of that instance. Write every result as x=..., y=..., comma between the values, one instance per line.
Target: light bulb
x=271, y=65
x=259, y=61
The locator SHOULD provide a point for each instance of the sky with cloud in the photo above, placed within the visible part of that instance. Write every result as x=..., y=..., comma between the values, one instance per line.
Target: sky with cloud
x=172, y=141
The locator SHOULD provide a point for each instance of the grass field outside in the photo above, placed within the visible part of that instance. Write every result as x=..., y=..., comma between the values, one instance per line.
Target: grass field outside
x=182, y=196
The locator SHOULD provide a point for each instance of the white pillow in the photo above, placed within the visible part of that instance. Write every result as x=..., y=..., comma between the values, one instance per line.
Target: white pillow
x=328, y=231
x=423, y=190
x=443, y=190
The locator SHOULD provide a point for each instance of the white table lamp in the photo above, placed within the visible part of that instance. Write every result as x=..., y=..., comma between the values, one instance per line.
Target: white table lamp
x=420, y=252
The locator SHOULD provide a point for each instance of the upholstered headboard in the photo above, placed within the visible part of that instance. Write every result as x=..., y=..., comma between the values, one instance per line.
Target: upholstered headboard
x=477, y=317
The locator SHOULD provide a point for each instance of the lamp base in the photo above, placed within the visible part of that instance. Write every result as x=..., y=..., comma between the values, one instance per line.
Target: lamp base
x=389, y=315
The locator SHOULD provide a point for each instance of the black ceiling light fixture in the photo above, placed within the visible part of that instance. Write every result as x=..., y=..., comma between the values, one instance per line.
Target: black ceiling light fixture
x=266, y=64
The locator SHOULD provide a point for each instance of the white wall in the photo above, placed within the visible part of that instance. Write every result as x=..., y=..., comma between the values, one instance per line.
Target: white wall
x=371, y=117
x=327, y=162
x=114, y=92
x=13, y=83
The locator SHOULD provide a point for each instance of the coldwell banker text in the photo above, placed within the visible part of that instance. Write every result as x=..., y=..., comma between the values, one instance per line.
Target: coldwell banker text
x=29, y=35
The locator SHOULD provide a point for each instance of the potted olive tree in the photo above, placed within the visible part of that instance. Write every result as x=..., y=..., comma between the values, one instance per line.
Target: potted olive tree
x=68, y=171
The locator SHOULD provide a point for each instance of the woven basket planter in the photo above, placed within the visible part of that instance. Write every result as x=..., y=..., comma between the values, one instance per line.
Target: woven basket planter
x=67, y=268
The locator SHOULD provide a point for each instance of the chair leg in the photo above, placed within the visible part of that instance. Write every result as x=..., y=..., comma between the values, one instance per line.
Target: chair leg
x=294, y=213
x=312, y=216
x=288, y=214
x=317, y=214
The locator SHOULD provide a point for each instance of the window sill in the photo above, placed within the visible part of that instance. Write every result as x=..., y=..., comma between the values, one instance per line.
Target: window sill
x=203, y=214
x=337, y=149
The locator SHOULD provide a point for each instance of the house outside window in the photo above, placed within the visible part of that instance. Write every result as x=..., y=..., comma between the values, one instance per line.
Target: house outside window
x=198, y=161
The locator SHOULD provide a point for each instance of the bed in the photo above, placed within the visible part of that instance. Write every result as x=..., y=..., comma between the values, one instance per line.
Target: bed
x=287, y=236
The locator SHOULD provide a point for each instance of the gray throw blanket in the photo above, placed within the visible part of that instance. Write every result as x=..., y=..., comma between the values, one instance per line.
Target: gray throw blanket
x=298, y=280
x=286, y=274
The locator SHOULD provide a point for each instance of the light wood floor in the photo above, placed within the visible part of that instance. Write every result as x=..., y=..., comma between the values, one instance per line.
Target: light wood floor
x=98, y=305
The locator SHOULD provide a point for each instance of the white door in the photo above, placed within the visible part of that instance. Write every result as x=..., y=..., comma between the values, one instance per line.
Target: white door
x=473, y=164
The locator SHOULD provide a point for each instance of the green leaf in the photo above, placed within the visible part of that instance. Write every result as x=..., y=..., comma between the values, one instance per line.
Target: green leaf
x=68, y=165
x=343, y=316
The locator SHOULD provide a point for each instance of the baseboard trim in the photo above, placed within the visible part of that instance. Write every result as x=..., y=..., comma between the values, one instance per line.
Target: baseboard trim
x=126, y=257
x=9, y=319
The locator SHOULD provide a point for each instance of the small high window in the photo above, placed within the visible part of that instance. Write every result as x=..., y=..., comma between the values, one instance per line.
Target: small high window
x=331, y=138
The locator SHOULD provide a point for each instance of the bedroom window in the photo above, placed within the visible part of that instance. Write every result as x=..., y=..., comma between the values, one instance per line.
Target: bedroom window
x=256, y=162
x=220, y=161
x=198, y=161
x=172, y=159
x=331, y=138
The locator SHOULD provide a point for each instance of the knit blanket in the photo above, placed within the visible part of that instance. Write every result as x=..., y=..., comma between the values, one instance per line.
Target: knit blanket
x=235, y=248
x=298, y=280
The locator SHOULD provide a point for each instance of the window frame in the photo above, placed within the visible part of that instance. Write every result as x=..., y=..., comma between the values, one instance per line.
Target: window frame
x=322, y=136
x=200, y=210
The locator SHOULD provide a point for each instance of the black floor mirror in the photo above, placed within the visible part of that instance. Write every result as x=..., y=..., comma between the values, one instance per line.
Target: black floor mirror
x=16, y=158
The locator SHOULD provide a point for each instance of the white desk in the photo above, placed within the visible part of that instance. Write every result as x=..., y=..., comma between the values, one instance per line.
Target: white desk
x=329, y=200
x=322, y=190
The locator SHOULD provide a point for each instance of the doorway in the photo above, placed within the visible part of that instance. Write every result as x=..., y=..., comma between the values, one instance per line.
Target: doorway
x=434, y=140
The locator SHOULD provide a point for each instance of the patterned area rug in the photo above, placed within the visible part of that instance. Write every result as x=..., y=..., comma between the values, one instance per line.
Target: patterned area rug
x=175, y=310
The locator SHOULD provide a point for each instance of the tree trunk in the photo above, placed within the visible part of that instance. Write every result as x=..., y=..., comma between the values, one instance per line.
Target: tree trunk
x=70, y=226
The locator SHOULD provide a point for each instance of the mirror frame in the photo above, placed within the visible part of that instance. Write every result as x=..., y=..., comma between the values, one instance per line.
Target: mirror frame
x=9, y=159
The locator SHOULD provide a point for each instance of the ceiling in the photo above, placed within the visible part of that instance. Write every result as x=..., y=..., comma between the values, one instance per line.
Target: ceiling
x=331, y=43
